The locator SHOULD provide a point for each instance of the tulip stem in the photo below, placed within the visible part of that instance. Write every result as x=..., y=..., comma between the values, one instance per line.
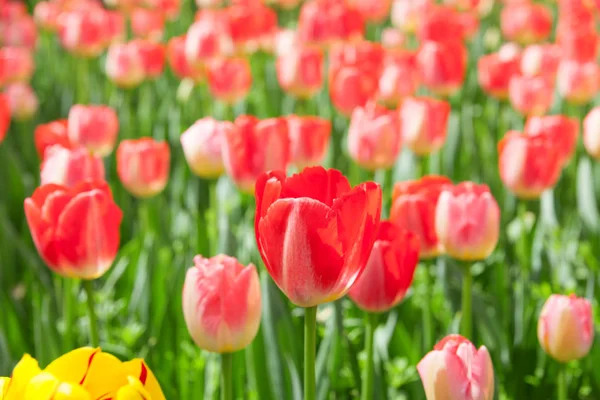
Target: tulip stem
x=68, y=315
x=466, y=302
x=226, y=376
x=89, y=290
x=368, y=372
x=310, y=347
x=427, y=317
x=562, y=382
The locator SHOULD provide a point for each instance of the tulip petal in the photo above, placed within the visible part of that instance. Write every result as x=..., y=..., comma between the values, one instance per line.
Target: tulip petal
x=267, y=191
x=139, y=370
x=23, y=372
x=318, y=183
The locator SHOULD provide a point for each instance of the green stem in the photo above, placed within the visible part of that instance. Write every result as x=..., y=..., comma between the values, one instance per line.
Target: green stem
x=226, y=376
x=562, y=383
x=427, y=317
x=466, y=302
x=89, y=290
x=68, y=314
x=83, y=77
x=368, y=372
x=310, y=346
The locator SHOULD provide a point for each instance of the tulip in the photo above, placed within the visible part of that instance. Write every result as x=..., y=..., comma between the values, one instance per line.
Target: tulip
x=169, y=8
x=496, y=70
x=75, y=230
x=528, y=164
x=560, y=130
x=254, y=147
x=18, y=31
x=565, y=327
x=442, y=66
x=84, y=32
x=300, y=71
x=399, y=78
x=25, y=370
x=393, y=39
x=526, y=23
x=456, y=370
x=424, y=123
x=591, y=133
x=147, y=24
x=143, y=166
x=115, y=27
x=45, y=14
x=441, y=24
x=152, y=55
x=16, y=65
x=407, y=15
x=124, y=65
x=94, y=127
x=47, y=135
x=252, y=25
x=201, y=145
x=309, y=140
x=4, y=116
x=22, y=101
x=578, y=44
x=373, y=11
x=531, y=95
x=229, y=79
x=578, y=82
x=178, y=60
x=325, y=22
x=68, y=167
x=208, y=38
x=374, y=138
x=540, y=59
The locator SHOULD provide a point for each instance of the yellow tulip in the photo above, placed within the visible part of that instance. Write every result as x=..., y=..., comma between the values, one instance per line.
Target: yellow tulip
x=139, y=369
x=4, y=381
x=134, y=391
x=23, y=372
x=47, y=386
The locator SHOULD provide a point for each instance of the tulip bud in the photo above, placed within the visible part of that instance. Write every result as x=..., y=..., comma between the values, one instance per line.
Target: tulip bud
x=16, y=65
x=325, y=22
x=424, y=124
x=578, y=82
x=229, y=79
x=221, y=303
x=591, y=133
x=143, y=166
x=540, y=59
x=76, y=230
x=84, y=32
x=413, y=208
x=456, y=370
x=152, y=55
x=202, y=146
x=18, y=31
x=68, y=167
x=565, y=327
x=559, y=130
x=178, y=60
x=526, y=23
x=374, y=136
x=4, y=116
x=94, y=127
x=22, y=101
x=314, y=232
x=496, y=70
x=147, y=24
x=399, y=78
x=309, y=140
x=45, y=14
x=389, y=271
x=208, y=38
x=300, y=71
x=442, y=66
x=124, y=65
x=531, y=95
x=467, y=221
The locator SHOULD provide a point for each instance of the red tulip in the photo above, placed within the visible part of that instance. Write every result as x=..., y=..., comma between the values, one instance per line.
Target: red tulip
x=124, y=65
x=374, y=138
x=540, y=59
x=47, y=135
x=69, y=167
x=531, y=95
x=578, y=82
x=76, y=231
x=4, y=116
x=178, y=60
x=578, y=44
x=526, y=22
x=399, y=78
x=153, y=57
x=413, y=208
x=440, y=24
x=12, y=9
x=209, y=37
x=325, y=22
x=18, y=31
x=528, y=164
x=202, y=146
x=591, y=133
x=94, y=127
x=407, y=15
x=254, y=147
x=300, y=71
x=16, y=65
x=314, y=232
x=115, y=27
x=424, y=123
x=143, y=166
x=22, y=100
x=45, y=14
x=496, y=70
x=373, y=11
x=389, y=271
x=559, y=130
x=147, y=23
x=252, y=26
x=229, y=79
x=84, y=32
x=442, y=66
x=309, y=140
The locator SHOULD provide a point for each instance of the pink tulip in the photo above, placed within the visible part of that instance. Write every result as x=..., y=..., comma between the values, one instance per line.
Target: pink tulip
x=124, y=65
x=442, y=66
x=456, y=370
x=467, y=221
x=68, y=167
x=202, y=146
x=143, y=166
x=531, y=95
x=300, y=71
x=407, y=15
x=221, y=303
x=94, y=127
x=229, y=79
x=309, y=140
x=591, y=133
x=207, y=38
x=566, y=327
x=22, y=101
x=424, y=123
x=46, y=14
x=16, y=65
x=560, y=130
x=578, y=82
x=84, y=32
x=147, y=24
x=18, y=31
x=540, y=59
x=400, y=77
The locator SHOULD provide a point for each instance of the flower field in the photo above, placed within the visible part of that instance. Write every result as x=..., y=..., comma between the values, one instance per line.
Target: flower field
x=286, y=199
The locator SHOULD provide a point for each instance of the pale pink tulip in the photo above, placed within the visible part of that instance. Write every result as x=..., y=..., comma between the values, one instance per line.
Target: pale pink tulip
x=591, y=133
x=68, y=167
x=202, y=146
x=94, y=127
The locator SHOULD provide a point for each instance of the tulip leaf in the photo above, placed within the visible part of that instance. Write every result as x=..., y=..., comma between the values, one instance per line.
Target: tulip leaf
x=586, y=199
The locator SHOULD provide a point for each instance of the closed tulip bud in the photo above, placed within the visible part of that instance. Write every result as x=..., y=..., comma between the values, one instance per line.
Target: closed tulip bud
x=229, y=79
x=45, y=14
x=407, y=15
x=314, y=232
x=143, y=166
x=591, y=133
x=18, y=31
x=442, y=66
x=531, y=95
x=399, y=78
x=4, y=116
x=178, y=60
x=528, y=165
x=456, y=370
x=300, y=71
x=374, y=137
x=254, y=147
x=22, y=101
x=221, y=303
x=68, y=167
x=325, y=22
x=424, y=124
x=84, y=32
x=47, y=135
x=389, y=271
x=208, y=38
x=373, y=11
x=309, y=140
x=94, y=127
x=16, y=65
x=124, y=65
x=76, y=230
x=496, y=70
x=152, y=55
x=566, y=327
x=558, y=129
x=526, y=23
x=540, y=59
x=147, y=24
x=578, y=82
x=467, y=221
x=413, y=208
x=202, y=146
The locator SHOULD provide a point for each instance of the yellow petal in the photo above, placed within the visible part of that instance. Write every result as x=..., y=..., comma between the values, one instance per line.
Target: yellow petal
x=133, y=391
x=139, y=369
x=4, y=381
x=42, y=386
x=24, y=371
x=68, y=391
